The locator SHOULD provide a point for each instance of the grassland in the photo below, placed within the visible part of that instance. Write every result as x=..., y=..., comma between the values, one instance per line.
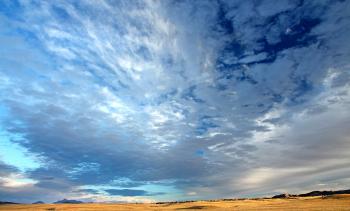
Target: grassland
x=331, y=203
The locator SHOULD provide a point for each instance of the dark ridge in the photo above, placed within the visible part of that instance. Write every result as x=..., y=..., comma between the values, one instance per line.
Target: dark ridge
x=324, y=193
x=283, y=196
x=7, y=202
x=312, y=193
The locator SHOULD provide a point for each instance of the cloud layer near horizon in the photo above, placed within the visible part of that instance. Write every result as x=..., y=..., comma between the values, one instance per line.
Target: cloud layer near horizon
x=173, y=100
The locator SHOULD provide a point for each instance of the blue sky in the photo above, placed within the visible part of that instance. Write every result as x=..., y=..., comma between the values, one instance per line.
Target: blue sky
x=173, y=100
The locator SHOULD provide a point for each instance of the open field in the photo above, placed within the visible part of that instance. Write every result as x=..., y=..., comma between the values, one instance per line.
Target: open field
x=331, y=203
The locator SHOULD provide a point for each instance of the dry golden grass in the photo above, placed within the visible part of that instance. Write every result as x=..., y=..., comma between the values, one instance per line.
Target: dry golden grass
x=331, y=203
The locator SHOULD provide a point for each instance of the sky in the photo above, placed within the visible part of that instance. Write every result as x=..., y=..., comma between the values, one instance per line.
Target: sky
x=144, y=101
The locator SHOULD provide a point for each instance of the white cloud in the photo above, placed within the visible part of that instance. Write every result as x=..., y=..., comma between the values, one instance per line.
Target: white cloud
x=16, y=181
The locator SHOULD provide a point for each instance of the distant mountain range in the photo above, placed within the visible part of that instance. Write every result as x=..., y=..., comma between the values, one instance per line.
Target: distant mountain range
x=63, y=201
x=7, y=202
x=38, y=202
x=67, y=201
x=312, y=193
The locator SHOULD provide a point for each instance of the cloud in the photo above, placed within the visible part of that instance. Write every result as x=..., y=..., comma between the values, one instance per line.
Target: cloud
x=204, y=97
x=130, y=192
x=7, y=169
